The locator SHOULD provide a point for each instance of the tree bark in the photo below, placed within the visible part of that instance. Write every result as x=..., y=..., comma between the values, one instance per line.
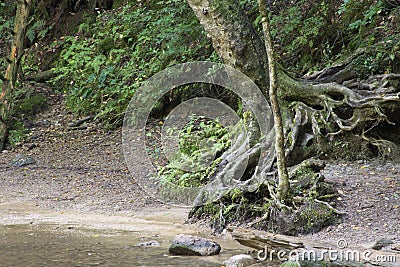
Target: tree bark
x=318, y=111
x=233, y=37
x=283, y=185
x=325, y=106
x=17, y=50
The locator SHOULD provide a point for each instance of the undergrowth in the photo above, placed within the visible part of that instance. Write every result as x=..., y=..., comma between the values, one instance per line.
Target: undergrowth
x=311, y=35
x=201, y=142
x=102, y=66
x=27, y=103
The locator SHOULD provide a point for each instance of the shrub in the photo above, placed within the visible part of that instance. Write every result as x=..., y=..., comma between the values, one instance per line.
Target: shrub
x=100, y=69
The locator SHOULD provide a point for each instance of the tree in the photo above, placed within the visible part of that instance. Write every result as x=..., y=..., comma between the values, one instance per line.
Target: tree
x=16, y=53
x=283, y=185
x=328, y=105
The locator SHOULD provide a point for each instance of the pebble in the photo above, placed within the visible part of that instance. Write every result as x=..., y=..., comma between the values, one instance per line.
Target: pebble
x=151, y=243
x=22, y=160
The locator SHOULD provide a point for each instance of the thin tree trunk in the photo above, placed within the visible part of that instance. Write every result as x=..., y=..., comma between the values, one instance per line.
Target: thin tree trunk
x=17, y=50
x=283, y=186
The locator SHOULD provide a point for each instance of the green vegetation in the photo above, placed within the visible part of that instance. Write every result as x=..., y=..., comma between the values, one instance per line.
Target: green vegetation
x=17, y=133
x=198, y=139
x=102, y=66
x=27, y=103
x=314, y=34
x=6, y=24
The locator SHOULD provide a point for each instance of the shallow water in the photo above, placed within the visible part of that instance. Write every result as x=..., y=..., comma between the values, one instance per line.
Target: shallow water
x=49, y=245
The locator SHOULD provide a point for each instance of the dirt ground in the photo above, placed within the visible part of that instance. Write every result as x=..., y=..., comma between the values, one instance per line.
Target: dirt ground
x=80, y=169
x=84, y=170
x=369, y=194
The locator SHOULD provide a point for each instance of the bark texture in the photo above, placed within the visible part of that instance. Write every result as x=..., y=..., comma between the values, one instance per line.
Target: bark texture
x=17, y=50
x=233, y=37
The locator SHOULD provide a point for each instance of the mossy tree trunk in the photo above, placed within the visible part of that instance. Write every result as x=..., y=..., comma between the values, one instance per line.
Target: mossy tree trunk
x=17, y=50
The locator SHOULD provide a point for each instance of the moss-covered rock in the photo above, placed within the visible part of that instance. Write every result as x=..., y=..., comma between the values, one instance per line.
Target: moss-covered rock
x=313, y=216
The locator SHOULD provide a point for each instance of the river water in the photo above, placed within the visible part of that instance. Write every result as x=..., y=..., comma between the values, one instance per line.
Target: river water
x=30, y=236
x=46, y=245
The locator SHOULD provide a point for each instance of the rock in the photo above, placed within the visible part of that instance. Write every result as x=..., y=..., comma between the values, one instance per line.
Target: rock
x=384, y=242
x=151, y=243
x=21, y=160
x=240, y=261
x=42, y=76
x=193, y=246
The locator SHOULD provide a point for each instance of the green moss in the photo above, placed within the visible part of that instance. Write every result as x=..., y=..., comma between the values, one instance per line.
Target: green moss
x=303, y=179
x=312, y=217
x=290, y=264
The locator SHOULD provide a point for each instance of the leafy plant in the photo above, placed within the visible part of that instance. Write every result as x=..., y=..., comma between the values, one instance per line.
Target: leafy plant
x=37, y=31
x=17, y=133
x=101, y=69
x=301, y=32
x=199, y=138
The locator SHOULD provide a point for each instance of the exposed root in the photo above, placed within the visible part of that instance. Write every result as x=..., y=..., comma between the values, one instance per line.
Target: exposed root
x=327, y=105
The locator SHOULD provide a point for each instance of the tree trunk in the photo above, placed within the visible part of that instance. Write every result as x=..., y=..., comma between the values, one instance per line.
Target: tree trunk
x=17, y=50
x=283, y=185
x=296, y=246
x=323, y=105
x=316, y=110
x=233, y=37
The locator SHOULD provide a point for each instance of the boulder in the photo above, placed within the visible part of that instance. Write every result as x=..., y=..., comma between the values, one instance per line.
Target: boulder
x=188, y=245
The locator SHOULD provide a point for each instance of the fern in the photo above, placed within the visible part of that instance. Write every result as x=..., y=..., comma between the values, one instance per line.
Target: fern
x=31, y=35
x=38, y=30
